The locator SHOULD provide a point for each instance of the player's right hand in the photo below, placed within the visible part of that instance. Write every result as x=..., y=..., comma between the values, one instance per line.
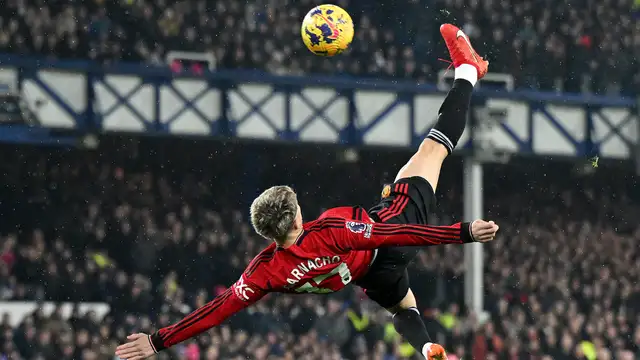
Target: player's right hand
x=138, y=347
x=484, y=231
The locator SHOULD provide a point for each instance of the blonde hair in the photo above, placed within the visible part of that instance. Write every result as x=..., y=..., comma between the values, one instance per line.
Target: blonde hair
x=273, y=213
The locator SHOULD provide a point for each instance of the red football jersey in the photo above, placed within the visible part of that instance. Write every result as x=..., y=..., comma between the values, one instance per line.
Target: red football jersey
x=330, y=253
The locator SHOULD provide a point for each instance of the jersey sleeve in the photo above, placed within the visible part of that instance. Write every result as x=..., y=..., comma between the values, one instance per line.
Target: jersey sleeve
x=239, y=296
x=355, y=235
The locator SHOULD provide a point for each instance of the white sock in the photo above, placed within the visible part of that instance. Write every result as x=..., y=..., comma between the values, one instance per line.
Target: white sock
x=467, y=72
x=425, y=349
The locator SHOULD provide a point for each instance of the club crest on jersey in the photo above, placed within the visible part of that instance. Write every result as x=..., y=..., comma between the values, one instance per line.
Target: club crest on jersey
x=386, y=191
x=359, y=228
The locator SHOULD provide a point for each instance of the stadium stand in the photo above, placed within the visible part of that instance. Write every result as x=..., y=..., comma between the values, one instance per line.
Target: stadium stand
x=95, y=245
x=154, y=235
x=585, y=46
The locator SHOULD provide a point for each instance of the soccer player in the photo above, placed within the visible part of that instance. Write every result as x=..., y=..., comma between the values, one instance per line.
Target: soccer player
x=371, y=249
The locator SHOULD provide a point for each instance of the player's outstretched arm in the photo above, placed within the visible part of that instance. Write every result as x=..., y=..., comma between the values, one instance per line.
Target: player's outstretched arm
x=142, y=346
x=362, y=236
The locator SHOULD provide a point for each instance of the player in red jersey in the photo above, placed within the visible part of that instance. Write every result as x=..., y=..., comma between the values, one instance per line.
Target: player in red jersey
x=348, y=244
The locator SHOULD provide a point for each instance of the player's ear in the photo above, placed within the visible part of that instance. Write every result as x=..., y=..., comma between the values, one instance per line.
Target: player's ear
x=298, y=221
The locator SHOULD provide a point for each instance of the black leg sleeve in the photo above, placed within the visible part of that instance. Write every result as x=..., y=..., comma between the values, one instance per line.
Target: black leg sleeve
x=452, y=116
x=409, y=324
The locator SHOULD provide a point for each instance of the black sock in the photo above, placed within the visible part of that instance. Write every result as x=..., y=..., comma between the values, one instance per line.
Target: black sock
x=452, y=116
x=409, y=324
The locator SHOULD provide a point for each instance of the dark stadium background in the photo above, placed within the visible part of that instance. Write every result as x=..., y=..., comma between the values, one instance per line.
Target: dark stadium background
x=103, y=233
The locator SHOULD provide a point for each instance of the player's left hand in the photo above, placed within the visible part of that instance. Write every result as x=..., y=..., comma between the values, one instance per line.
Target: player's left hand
x=138, y=347
x=484, y=231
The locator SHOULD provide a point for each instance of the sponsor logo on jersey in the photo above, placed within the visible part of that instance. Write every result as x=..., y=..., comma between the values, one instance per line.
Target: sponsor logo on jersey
x=242, y=290
x=359, y=228
x=386, y=191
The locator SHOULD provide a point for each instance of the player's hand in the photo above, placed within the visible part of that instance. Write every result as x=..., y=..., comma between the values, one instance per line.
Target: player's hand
x=484, y=231
x=138, y=347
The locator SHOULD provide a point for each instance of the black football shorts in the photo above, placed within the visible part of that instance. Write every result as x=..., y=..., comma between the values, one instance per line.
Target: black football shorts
x=407, y=201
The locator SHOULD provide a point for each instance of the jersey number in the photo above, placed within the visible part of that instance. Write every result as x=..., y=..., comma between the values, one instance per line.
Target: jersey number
x=342, y=270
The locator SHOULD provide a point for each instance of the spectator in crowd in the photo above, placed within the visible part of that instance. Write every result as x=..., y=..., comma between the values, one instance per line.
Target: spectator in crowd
x=561, y=283
x=587, y=46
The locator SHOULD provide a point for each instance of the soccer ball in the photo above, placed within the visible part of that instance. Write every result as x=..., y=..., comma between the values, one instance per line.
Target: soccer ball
x=327, y=30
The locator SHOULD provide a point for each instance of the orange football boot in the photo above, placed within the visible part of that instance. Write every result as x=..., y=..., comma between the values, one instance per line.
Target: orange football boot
x=434, y=352
x=461, y=50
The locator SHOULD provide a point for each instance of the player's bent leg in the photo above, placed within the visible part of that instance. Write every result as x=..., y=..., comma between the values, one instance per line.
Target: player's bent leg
x=387, y=283
x=408, y=323
x=408, y=302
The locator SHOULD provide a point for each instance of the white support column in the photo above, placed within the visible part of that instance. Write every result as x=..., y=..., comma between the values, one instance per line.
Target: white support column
x=637, y=147
x=473, y=194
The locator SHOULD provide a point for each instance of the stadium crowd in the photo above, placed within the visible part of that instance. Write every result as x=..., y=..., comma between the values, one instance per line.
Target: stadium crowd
x=155, y=234
x=576, y=46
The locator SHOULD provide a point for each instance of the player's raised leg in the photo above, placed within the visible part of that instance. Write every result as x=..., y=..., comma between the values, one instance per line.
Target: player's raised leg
x=426, y=164
x=408, y=322
x=452, y=116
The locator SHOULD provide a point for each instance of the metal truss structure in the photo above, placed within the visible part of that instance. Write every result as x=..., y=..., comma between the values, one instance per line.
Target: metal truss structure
x=141, y=99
